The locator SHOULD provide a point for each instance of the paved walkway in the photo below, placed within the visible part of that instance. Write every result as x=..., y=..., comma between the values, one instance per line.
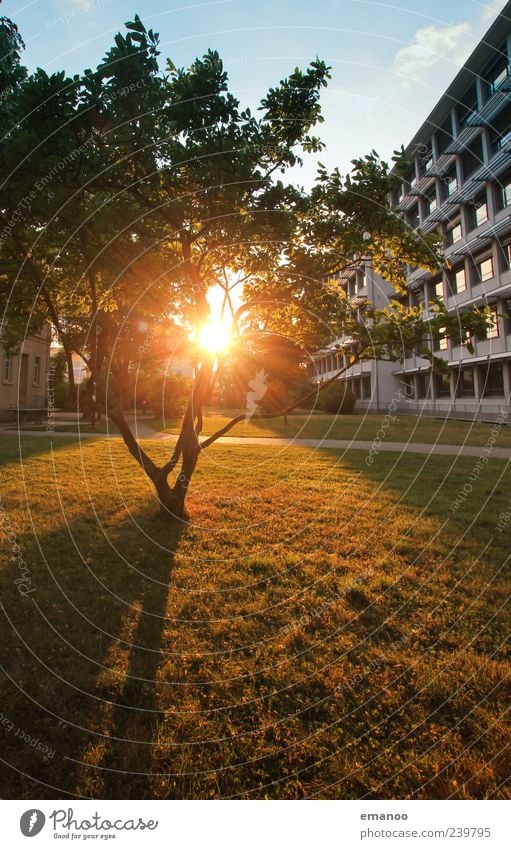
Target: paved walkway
x=142, y=431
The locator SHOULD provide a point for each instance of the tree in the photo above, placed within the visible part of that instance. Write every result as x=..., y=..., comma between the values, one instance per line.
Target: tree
x=152, y=187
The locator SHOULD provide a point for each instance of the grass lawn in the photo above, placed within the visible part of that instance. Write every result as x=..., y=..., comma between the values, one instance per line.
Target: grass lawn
x=362, y=427
x=318, y=628
x=319, y=426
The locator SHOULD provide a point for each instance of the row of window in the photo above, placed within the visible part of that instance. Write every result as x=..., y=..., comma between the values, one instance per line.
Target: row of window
x=7, y=370
x=477, y=94
x=460, y=383
x=473, y=272
x=477, y=211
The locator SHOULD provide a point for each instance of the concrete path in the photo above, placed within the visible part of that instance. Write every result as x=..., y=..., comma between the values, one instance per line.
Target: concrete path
x=142, y=431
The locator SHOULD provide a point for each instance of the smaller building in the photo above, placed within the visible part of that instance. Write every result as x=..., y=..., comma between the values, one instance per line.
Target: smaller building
x=25, y=375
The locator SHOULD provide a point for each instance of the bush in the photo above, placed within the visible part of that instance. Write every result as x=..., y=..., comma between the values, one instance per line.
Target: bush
x=167, y=394
x=336, y=398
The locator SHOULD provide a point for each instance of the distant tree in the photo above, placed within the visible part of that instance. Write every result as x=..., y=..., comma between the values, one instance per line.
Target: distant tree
x=130, y=192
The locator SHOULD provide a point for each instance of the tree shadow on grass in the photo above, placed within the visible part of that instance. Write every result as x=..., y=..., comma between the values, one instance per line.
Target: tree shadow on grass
x=80, y=650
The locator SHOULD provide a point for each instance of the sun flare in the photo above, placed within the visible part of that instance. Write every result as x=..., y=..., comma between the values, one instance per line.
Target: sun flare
x=215, y=336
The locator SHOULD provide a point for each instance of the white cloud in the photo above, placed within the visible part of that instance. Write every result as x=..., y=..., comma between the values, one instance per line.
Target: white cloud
x=429, y=46
x=82, y=5
x=489, y=10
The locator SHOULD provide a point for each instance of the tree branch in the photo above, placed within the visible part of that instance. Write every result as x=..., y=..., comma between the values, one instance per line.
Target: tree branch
x=211, y=439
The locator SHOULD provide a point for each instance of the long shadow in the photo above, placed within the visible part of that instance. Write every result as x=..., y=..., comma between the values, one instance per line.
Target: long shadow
x=31, y=446
x=125, y=765
x=79, y=654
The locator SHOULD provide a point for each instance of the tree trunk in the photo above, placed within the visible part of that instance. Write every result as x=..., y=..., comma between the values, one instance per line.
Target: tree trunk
x=70, y=375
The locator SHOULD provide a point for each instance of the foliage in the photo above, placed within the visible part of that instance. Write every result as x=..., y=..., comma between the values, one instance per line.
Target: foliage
x=131, y=190
x=166, y=394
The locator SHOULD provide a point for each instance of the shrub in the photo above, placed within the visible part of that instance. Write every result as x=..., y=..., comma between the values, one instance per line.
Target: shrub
x=167, y=394
x=336, y=398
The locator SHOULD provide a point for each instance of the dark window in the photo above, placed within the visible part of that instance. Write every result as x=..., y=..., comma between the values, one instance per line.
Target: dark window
x=412, y=218
x=366, y=388
x=408, y=387
x=504, y=191
x=497, y=71
x=504, y=251
x=411, y=179
x=442, y=386
x=444, y=135
x=472, y=158
x=493, y=380
x=425, y=157
x=465, y=385
x=450, y=183
x=500, y=131
x=466, y=106
x=423, y=386
x=430, y=202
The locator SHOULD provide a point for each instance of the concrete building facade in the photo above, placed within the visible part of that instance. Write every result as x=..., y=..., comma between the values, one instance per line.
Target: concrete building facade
x=459, y=184
x=24, y=376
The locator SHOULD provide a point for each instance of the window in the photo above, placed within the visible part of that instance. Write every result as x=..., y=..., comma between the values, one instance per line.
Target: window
x=492, y=330
x=430, y=202
x=497, y=71
x=454, y=232
x=442, y=386
x=458, y=281
x=492, y=379
x=504, y=192
x=409, y=387
x=480, y=211
x=7, y=372
x=411, y=179
x=500, y=131
x=412, y=219
x=443, y=342
x=366, y=388
x=452, y=185
x=472, y=158
x=450, y=181
x=466, y=106
x=444, y=135
x=37, y=371
x=507, y=316
x=423, y=386
x=483, y=269
x=437, y=289
x=505, y=256
x=465, y=384
x=440, y=341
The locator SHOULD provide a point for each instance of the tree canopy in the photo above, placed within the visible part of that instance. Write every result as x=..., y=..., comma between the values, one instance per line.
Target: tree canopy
x=128, y=192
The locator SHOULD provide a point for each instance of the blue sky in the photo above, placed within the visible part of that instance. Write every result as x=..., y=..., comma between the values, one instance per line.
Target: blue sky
x=391, y=60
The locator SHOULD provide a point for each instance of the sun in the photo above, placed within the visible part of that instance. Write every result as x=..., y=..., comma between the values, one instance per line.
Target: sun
x=215, y=336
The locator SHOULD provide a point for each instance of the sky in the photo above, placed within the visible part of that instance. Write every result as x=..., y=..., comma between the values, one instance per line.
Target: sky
x=390, y=61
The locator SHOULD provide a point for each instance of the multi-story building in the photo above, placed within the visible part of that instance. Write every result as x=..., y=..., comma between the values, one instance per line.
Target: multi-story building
x=24, y=377
x=459, y=184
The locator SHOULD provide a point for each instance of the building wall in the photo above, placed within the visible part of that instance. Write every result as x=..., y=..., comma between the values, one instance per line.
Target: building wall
x=24, y=376
x=459, y=185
